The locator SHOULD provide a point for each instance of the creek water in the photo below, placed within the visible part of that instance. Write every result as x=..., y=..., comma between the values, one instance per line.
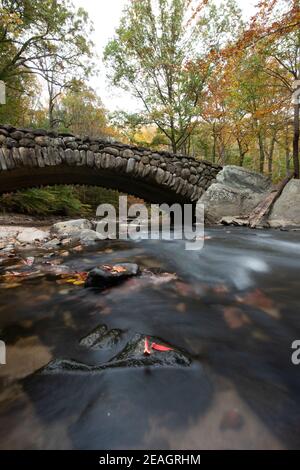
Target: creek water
x=233, y=308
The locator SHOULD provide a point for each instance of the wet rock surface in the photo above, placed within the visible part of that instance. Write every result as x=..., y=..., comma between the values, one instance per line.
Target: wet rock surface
x=101, y=338
x=106, y=276
x=133, y=355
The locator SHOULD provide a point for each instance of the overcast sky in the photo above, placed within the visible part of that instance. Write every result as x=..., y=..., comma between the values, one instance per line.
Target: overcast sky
x=106, y=15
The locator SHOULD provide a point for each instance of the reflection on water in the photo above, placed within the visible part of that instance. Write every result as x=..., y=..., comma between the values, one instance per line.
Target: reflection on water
x=233, y=308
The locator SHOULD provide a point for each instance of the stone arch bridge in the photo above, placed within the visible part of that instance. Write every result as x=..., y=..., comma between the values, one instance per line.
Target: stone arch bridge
x=35, y=157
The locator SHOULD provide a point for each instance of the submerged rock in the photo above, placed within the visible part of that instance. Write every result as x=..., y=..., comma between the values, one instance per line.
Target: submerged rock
x=133, y=355
x=101, y=338
x=106, y=276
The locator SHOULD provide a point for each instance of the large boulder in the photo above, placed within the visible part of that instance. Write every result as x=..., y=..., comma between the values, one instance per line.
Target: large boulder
x=31, y=234
x=286, y=210
x=71, y=226
x=236, y=193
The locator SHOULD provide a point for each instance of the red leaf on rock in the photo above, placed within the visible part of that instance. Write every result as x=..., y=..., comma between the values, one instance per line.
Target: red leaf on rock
x=160, y=347
x=147, y=349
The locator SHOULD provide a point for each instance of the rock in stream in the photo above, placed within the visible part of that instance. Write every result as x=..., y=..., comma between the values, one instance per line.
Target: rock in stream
x=131, y=356
x=105, y=276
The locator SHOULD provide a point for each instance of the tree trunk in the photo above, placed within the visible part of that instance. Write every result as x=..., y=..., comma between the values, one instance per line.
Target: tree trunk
x=264, y=206
x=287, y=151
x=261, y=152
x=50, y=114
x=214, y=145
x=296, y=140
x=270, y=156
x=174, y=146
x=223, y=156
x=242, y=152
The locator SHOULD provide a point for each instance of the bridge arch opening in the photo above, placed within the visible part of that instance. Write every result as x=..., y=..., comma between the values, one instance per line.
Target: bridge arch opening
x=40, y=177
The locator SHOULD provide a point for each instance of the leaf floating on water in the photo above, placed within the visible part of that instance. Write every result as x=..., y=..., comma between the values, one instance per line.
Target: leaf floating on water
x=258, y=298
x=13, y=278
x=77, y=279
x=232, y=419
x=16, y=274
x=77, y=248
x=184, y=289
x=220, y=289
x=235, y=318
x=64, y=253
x=161, y=347
x=10, y=285
x=28, y=261
x=147, y=350
x=181, y=307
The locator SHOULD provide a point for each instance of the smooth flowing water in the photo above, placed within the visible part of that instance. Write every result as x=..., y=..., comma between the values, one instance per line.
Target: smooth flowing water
x=232, y=308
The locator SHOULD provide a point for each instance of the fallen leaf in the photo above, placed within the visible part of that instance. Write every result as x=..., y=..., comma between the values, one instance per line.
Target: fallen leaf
x=77, y=279
x=160, y=347
x=64, y=253
x=106, y=311
x=184, y=289
x=235, y=318
x=257, y=298
x=147, y=351
x=220, y=289
x=118, y=269
x=78, y=248
x=10, y=285
x=181, y=307
x=232, y=419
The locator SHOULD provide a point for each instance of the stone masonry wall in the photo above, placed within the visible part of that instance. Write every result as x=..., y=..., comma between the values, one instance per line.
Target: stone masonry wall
x=38, y=148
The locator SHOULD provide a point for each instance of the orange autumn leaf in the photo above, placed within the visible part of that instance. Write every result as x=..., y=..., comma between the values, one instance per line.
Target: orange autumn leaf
x=119, y=269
